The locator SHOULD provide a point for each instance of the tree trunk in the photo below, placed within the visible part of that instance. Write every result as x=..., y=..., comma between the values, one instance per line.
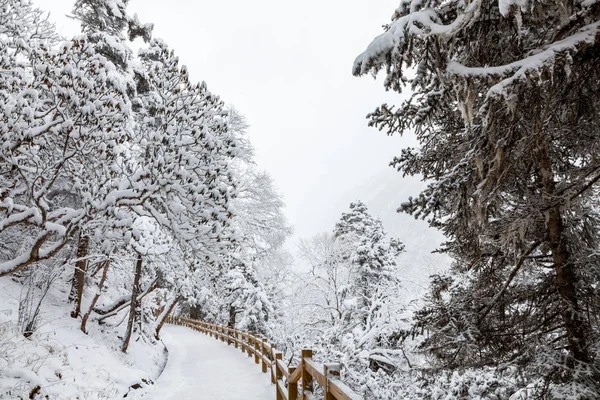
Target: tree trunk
x=163, y=317
x=120, y=306
x=79, y=274
x=134, y=305
x=232, y=314
x=96, y=296
x=566, y=284
x=566, y=279
x=196, y=312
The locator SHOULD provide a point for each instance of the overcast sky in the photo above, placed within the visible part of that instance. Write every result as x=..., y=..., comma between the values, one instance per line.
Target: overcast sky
x=287, y=67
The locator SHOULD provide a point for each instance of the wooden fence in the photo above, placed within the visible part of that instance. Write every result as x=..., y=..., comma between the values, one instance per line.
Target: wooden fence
x=292, y=383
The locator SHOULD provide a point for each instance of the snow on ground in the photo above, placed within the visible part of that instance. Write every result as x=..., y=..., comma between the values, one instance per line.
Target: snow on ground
x=67, y=364
x=63, y=361
x=200, y=367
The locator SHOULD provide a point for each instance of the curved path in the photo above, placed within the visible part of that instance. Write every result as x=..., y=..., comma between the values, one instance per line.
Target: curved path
x=200, y=367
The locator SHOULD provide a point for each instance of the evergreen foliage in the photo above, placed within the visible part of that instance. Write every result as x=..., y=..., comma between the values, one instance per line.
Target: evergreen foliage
x=505, y=105
x=350, y=310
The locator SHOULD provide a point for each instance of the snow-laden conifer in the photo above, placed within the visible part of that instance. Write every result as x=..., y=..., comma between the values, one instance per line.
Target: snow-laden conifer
x=350, y=308
x=505, y=107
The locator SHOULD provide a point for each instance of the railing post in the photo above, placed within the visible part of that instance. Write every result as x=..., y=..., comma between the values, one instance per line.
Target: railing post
x=307, y=385
x=249, y=347
x=273, y=363
x=292, y=387
x=242, y=341
x=330, y=371
x=256, y=349
x=264, y=355
x=235, y=338
x=278, y=375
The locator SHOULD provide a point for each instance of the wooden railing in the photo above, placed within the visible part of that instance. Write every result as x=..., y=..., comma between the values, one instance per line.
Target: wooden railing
x=292, y=383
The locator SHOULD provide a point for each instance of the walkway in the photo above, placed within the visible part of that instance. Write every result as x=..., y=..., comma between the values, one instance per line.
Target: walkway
x=199, y=367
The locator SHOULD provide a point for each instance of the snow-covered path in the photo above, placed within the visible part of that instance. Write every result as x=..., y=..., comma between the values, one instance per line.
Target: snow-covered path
x=200, y=367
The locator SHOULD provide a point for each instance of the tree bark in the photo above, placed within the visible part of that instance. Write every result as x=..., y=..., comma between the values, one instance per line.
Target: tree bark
x=79, y=274
x=123, y=301
x=12, y=266
x=163, y=317
x=566, y=278
x=96, y=296
x=232, y=315
x=566, y=284
x=134, y=306
x=196, y=312
x=121, y=305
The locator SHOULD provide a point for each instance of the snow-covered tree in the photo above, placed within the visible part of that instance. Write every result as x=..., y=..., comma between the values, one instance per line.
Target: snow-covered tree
x=247, y=301
x=505, y=106
x=260, y=231
x=24, y=26
x=351, y=310
x=119, y=177
x=95, y=141
x=374, y=257
x=177, y=167
x=181, y=155
x=105, y=23
x=62, y=122
x=326, y=289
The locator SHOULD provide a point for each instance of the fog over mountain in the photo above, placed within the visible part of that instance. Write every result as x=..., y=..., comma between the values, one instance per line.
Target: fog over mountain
x=383, y=193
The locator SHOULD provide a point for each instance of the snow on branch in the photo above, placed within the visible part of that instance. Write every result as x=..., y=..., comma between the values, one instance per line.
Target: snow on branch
x=533, y=64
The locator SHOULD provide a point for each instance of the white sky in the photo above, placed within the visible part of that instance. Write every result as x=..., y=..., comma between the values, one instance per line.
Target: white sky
x=287, y=67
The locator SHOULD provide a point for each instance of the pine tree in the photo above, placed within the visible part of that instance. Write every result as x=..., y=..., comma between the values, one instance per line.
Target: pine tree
x=350, y=309
x=246, y=301
x=373, y=257
x=105, y=23
x=505, y=105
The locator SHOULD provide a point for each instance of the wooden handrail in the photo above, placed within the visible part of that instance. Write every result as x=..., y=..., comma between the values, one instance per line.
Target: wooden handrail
x=267, y=355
